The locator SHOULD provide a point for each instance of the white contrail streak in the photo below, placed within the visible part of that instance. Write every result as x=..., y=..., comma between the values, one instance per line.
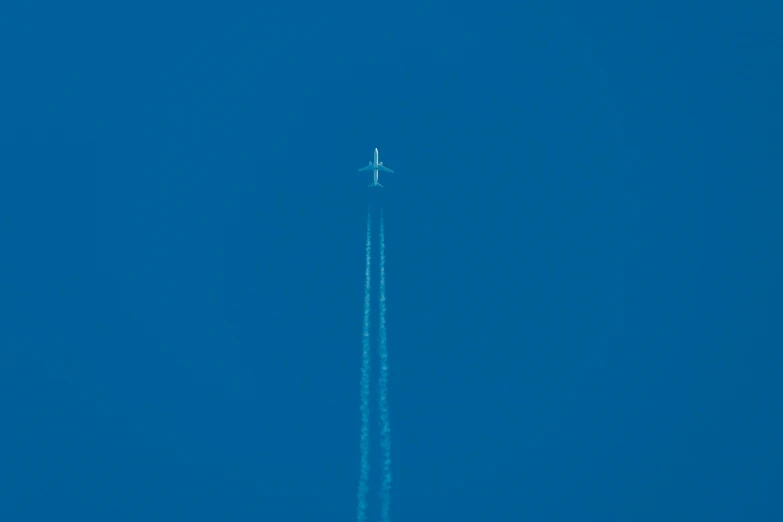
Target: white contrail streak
x=383, y=384
x=364, y=407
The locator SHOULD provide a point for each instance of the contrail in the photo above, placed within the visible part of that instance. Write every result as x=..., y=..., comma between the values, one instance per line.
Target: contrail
x=364, y=444
x=383, y=384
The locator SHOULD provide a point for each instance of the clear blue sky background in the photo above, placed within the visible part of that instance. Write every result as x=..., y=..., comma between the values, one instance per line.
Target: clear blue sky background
x=583, y=236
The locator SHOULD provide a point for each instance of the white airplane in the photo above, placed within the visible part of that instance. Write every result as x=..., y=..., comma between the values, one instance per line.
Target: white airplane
x=375, y=166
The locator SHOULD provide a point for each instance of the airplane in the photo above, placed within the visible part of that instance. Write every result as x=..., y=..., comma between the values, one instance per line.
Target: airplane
x=375, y=166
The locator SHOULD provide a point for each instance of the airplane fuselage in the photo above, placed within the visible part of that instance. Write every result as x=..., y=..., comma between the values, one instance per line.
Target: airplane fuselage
x=375, y=167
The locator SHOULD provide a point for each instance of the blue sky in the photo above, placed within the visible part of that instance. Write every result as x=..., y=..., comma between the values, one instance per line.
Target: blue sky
x=582, y=259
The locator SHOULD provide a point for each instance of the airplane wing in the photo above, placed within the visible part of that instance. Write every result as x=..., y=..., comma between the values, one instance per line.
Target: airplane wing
x=368, y=167
x=385, y=169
